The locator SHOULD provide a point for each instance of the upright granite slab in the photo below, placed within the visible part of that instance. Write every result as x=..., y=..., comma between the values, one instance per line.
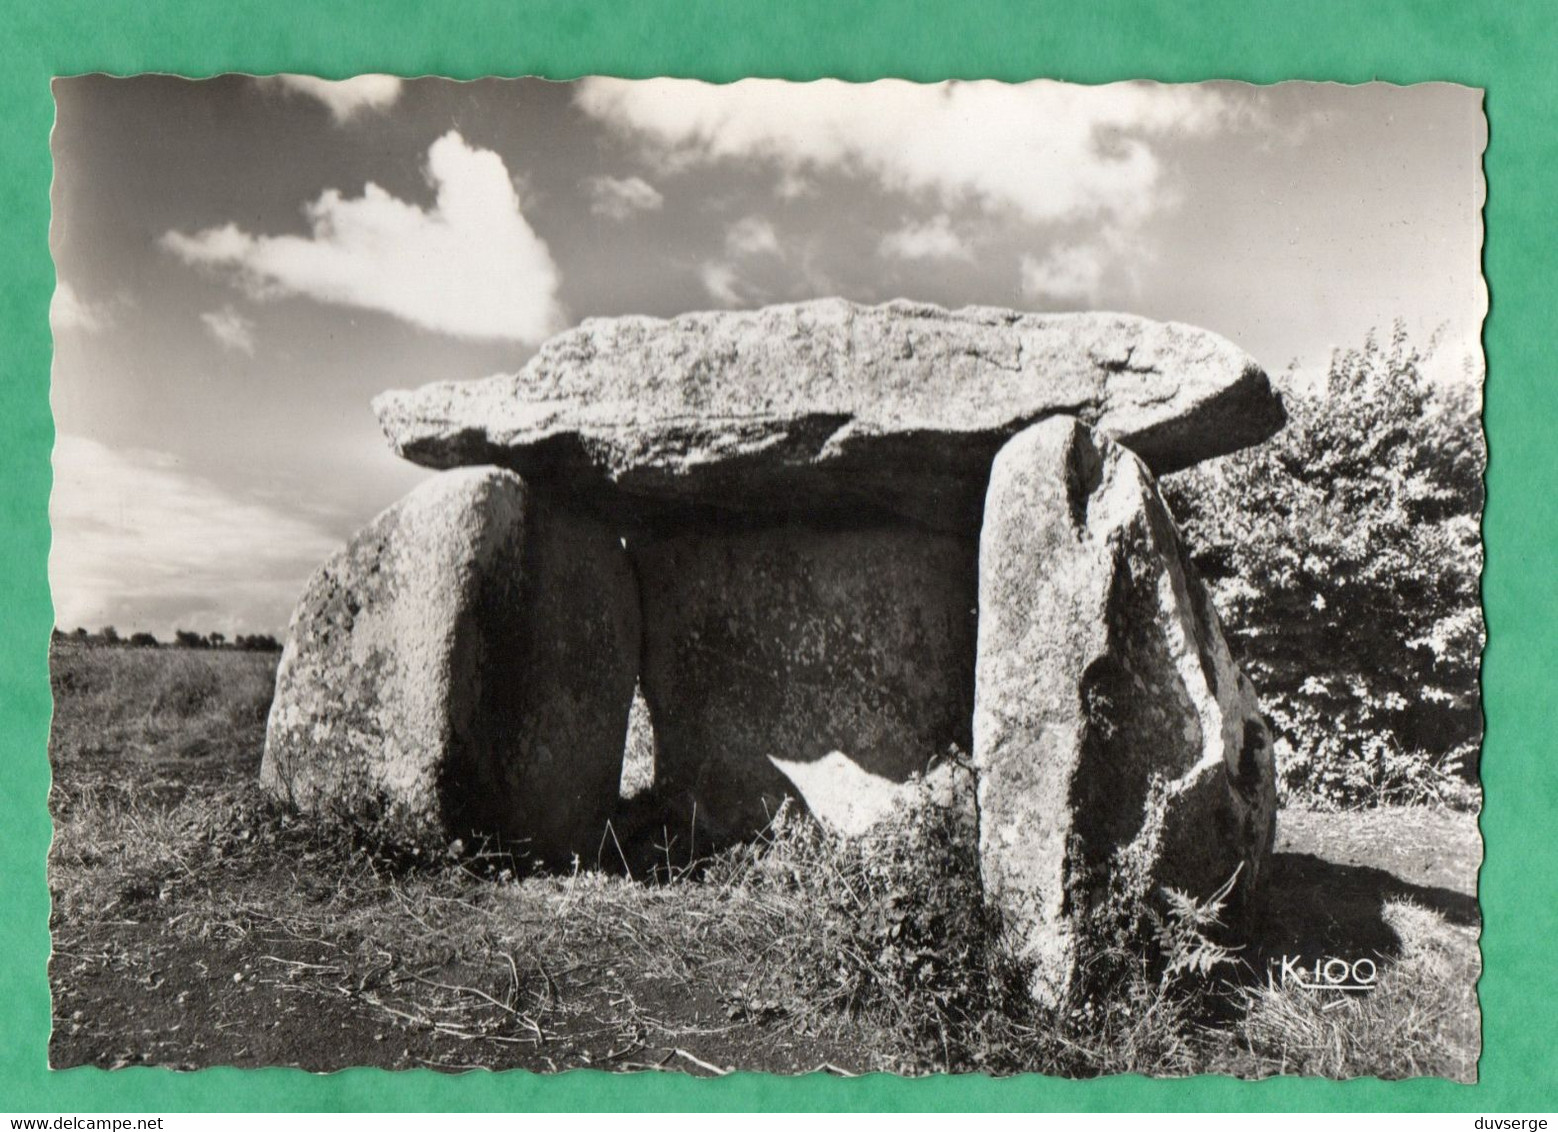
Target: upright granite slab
x=1118, y=747
x=794, y=643
x=465, y=665
x=828, y=406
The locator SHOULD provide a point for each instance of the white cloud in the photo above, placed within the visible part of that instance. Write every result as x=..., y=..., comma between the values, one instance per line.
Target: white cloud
x=1053, y=152
x=932, y=240
x=231, y=329
x=346, y=98
x=617, y=198
x=69, y=311
x=719, y=280
x=471, y=266
x=793, y=186
x=752, y=235
x=142, y=545
x=747, y=237
x=1071, y=273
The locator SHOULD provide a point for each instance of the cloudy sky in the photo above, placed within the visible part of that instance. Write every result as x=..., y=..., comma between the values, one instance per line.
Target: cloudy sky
x=243, y=263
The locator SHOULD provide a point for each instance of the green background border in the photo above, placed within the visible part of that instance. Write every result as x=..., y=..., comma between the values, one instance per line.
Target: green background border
x=1505, y=47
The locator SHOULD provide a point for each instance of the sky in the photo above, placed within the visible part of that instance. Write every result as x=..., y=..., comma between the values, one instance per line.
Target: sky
x=244, y=263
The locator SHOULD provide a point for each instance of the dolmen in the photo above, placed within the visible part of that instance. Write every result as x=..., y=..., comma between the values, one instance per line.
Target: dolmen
x=814, y=535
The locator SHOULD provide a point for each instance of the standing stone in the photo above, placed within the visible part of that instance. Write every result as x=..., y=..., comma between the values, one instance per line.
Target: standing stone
x=465, y=665
x=1118, y=747
x=796, y=644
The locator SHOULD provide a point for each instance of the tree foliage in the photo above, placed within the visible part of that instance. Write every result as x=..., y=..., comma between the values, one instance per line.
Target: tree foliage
x=1344, y=557
x=258, y=642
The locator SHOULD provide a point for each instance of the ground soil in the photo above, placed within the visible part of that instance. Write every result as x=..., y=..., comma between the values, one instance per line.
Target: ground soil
x=156, y=968
x=131, y=991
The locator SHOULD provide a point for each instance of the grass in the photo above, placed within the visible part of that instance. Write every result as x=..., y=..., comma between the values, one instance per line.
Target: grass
x=1421, y=1020
x=197, y=923
x=166, y=716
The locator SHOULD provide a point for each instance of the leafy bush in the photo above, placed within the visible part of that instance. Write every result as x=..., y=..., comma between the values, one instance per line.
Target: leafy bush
x=1344, y=558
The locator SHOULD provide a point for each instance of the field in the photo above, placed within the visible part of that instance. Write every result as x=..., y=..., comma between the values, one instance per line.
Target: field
x=197, y=924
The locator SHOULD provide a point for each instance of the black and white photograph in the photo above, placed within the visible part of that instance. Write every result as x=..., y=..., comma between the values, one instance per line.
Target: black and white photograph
x=658, y=576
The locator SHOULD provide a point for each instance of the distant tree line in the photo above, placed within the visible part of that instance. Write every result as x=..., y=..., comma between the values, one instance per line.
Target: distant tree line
x=108, y=636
